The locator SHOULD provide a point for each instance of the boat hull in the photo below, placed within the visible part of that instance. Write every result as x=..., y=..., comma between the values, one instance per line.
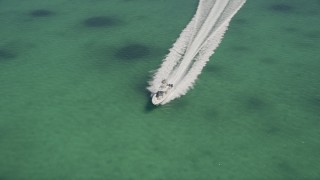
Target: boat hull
x=158, y=100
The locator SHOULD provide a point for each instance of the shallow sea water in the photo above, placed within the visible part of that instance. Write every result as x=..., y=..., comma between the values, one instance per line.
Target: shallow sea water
x=73, y=103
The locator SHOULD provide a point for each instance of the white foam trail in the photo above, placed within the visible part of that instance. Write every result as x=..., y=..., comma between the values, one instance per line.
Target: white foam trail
x=195, y=45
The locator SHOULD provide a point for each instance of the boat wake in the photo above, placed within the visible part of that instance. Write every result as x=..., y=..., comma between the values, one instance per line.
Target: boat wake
x=192, y=49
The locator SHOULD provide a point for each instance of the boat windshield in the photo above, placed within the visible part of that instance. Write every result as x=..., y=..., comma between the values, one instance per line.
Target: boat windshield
x=159, y=93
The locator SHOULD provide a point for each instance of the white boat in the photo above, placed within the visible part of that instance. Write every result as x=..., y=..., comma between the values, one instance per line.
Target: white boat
x=162, y=94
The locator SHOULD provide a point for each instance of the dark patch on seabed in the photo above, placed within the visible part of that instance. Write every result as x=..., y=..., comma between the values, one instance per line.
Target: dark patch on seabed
x=41, y=13
x=313, y=104
x=211, y=114
x=272, y=129
x=291, y=29
x=288, y=170
x=240, y=21
x=305, y=44
x=6, y=54
x=312, y=35
x=132, y=51
x=281, y=7
x=268, y=60
x=316, y=102
x=213, y=68
x=101, y=21
x=254, y=103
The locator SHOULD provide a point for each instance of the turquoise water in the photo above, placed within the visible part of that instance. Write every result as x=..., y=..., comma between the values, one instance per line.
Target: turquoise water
x=73, y=103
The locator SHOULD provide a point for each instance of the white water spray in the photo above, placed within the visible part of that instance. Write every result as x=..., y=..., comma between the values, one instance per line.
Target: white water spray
x=194, y=47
